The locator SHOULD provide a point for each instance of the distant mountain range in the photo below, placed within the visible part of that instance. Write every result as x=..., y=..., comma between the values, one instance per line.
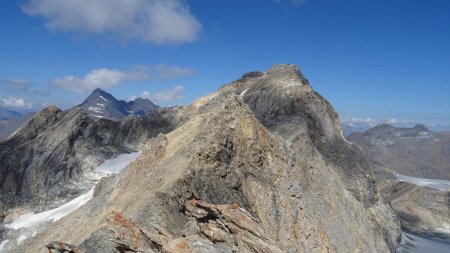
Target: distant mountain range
x=6, y=114
x=350, y=125
x=101, y=104
x=11, y=120
x=415, y=151
x=7, y=127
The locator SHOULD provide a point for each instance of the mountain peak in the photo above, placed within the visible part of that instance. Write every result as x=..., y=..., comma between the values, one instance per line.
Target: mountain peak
x=102, y=105
x=420, y=127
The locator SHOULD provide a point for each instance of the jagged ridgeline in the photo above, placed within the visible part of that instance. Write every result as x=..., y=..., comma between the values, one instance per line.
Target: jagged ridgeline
x=261, y=165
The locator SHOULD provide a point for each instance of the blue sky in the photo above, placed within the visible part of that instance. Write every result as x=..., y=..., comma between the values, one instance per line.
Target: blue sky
x=369, y=58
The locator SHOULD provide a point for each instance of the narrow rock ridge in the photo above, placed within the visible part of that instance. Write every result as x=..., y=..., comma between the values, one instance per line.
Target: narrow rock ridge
x=259, y=166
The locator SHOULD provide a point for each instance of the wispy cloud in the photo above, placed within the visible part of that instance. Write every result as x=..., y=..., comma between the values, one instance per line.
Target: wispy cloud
x=17, y=103
x=176, y=93
x=164, y=71
x=15, y=85
x=155, y=21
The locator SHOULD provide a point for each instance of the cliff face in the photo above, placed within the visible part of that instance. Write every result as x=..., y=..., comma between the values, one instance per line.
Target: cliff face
x=258, y=166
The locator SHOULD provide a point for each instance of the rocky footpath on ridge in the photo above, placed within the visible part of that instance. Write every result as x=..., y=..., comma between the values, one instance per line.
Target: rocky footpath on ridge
x=261, y=165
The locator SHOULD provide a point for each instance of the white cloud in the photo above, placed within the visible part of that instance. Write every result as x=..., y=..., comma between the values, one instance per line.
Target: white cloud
x=106, y=78
x=99, y=78
x=13, y=102
x=156, y=21
x=176, y=93
x=164, y=71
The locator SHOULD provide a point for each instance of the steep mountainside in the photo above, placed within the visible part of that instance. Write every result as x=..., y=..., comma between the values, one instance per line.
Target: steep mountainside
x=101, y=104
x=52, y=156
x=259, y=166
x=423, y=206
x=7, y=127
x=416, y=151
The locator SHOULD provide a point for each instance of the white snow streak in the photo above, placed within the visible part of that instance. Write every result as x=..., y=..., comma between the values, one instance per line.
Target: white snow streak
x=103, y=98
x=30, y=219
x=242, y=93
x=95, y=109
x=441, y=185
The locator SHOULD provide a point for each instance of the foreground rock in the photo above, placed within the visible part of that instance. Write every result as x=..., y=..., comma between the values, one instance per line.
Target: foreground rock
x=259, y=166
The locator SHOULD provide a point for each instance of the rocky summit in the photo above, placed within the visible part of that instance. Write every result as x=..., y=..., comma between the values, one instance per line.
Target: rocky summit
x=261, y=165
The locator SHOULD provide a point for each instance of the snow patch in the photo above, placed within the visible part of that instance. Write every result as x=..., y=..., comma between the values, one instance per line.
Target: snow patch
x=100, y=104
x=30, y=219
x=116, y=164
x=443, y=230
x=97, y=116
x=243, y=93
x=113, y=165
x=3, y=244
x=21, y=239
x=95, y=109
x=440, y=185
x=103, y=98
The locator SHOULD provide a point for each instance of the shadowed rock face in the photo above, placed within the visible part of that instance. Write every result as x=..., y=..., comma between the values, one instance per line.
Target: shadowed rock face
x=258, y=166
x=52, y=156
x=416, y=151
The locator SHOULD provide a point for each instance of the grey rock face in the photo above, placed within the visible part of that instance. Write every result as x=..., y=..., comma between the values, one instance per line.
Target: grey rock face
x=259, y=166
x=101, y=104
x=52, y=156
x=416, y=151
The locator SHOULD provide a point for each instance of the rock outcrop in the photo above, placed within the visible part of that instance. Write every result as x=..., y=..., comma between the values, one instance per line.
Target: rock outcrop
x=259, y=166
x=417, y=151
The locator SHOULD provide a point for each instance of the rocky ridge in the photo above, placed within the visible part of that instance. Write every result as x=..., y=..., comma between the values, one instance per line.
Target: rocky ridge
x=261, y=165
